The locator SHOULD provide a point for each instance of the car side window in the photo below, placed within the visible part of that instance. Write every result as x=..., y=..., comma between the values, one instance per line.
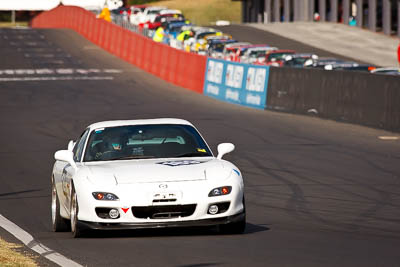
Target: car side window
x=80, y=143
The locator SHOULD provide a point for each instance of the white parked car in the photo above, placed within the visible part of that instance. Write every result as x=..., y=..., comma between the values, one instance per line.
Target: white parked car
x=147, y=14
x=253, y=54
x=145, y=174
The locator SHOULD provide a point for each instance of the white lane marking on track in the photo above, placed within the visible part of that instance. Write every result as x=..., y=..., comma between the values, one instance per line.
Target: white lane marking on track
x=60, y=78
x=58, y=71
x=112, y=71
x=388, y=137
x=24, y=72
x=39, y=55
x=44, y=71
x=65, y=71
x=38, y=247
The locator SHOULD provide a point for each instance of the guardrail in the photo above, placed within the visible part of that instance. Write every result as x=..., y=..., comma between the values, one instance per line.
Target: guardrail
x=354, y=97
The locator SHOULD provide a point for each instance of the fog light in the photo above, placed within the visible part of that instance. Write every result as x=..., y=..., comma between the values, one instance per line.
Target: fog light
x=213, y=209
x=114, y=213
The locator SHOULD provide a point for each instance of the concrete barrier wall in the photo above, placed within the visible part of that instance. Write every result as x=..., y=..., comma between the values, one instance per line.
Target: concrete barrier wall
x=175, y=66
x=355, y=97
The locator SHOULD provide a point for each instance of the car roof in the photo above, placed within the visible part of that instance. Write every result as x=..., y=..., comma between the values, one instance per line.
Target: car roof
x=170, y=11
x=394, y=69
x=222, y=41
x=266, y=48
x=156, y=8
x=217, y=36
x=116, y=123
x=300, y=55
x=236, y=45
x=281, y=51
x=245, y=47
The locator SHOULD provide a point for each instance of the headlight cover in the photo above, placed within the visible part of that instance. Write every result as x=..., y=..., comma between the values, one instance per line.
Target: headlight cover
x=104, y=196
x=220, y=191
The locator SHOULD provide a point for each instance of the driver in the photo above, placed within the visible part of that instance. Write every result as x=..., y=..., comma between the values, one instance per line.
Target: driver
x=113, y=143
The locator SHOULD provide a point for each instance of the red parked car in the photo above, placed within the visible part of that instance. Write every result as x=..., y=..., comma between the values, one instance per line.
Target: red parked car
x=158, y=20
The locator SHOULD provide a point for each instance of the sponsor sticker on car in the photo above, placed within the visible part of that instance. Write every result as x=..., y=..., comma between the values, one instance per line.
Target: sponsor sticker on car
x=180, y=163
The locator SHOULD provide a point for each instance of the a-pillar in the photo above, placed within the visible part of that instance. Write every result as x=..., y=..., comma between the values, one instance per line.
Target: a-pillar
x=372, y=15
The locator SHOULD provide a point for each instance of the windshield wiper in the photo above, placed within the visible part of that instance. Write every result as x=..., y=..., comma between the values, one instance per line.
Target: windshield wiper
x=193, y=154
x=132, y=157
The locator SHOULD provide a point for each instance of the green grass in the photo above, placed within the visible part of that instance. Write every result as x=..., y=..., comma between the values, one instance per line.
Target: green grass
x=205, y=12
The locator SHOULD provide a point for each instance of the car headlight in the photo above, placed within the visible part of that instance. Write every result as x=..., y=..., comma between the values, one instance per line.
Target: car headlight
x=104, y=196
x=220, y=191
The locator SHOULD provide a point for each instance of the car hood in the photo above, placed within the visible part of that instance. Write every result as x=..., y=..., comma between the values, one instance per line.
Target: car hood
x=151, y=171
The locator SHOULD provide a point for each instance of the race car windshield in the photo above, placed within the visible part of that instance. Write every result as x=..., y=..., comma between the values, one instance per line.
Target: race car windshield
x=145, y=141
x=258, y=53
x=277, y=56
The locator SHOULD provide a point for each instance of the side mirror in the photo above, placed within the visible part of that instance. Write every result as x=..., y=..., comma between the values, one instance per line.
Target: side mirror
x=71, y=145
x=225, y=148
x=66, y=155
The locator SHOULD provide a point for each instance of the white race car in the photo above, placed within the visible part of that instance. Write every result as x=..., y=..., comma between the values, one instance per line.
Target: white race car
x=145, y=174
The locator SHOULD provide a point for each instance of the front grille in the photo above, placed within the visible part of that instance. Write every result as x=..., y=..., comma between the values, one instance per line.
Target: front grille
x=163, y=212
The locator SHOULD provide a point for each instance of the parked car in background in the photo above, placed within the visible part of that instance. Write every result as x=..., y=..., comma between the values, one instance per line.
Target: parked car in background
x=153, y=25
x=173, y=27
x=199, y=35
x=274, y=58
x=240, y=52
x=202, y=44
x=387, y=71
x=300, y=60
x=146, y=14
x=350, y=65
x=230, y=50
x=216, y=47
x=321, y=62
x=253, y=54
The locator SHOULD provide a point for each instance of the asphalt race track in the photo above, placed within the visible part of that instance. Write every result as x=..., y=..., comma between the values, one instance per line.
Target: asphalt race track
x=318, y=193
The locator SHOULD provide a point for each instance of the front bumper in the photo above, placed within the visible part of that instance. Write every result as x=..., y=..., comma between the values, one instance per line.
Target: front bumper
x=166, y=224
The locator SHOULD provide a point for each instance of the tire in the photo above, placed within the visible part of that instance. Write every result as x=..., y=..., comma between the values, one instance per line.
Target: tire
x=59, y=224
x=235, y=228
x=74, y=210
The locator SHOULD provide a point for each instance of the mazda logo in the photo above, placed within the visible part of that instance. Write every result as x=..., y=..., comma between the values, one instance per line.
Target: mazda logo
x=163, y=186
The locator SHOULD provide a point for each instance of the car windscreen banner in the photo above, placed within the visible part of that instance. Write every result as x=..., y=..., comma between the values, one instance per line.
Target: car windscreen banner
x=237, y=83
